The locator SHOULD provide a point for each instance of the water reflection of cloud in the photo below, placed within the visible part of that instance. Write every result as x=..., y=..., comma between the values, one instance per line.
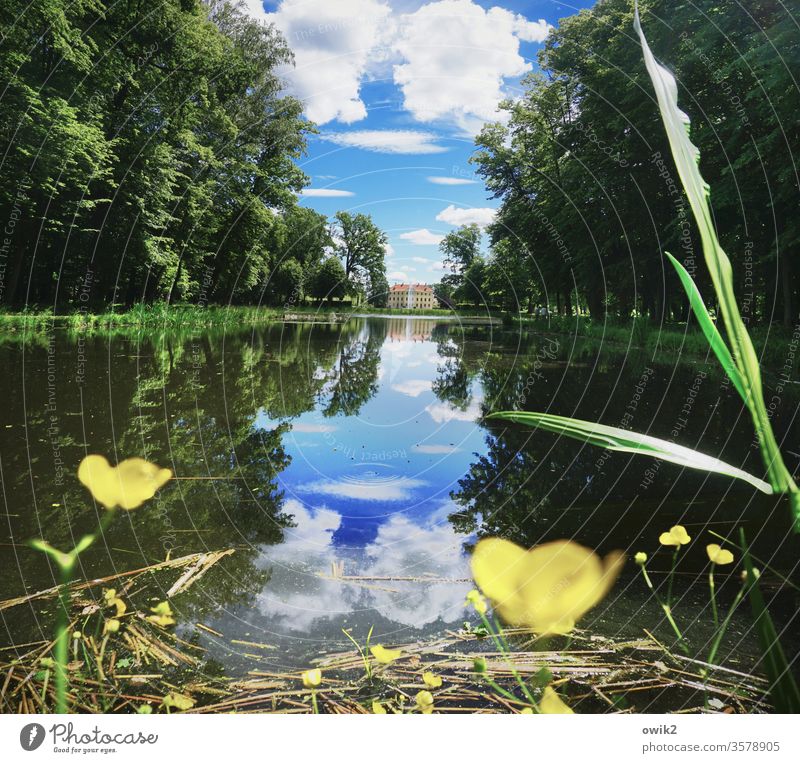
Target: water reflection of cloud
x=413, y=387
x=436, y=450
x=305, y=427
x=391, y=489
x=298, y=596
x=441, y=413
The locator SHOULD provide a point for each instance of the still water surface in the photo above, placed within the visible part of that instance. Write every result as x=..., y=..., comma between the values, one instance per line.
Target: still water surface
x=359, y=449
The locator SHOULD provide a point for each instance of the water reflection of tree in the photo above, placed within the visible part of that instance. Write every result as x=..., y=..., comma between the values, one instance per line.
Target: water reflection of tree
x=353, y=379
x=530, y=486
x=213, y=407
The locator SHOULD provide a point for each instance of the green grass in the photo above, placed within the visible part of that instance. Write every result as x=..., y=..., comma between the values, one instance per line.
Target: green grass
x=772, y=342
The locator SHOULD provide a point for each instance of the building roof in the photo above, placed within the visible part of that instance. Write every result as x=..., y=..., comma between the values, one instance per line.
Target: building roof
x=406, y=287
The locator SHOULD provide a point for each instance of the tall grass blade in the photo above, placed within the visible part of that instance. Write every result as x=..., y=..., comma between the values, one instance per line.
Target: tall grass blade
x=784, y=692
x=687, y=157
x=709, y=328
x=625, y=441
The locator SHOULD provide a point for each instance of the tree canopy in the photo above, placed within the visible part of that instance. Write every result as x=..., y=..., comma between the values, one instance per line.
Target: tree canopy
x=587, y=187
x=150, y=154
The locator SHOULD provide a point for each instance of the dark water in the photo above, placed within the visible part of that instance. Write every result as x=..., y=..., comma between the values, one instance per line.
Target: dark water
x=360, y=447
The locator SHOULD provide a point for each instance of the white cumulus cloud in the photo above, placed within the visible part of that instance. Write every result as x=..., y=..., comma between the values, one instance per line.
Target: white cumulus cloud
x=466, y=216
x=335, y=44
x=389, y=141
x=447, y=180
x=323, y=193
x=422, y=237
x=456, y=57
x=450, y=58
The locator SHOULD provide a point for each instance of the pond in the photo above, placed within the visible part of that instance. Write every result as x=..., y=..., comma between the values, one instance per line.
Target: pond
x=349, y=466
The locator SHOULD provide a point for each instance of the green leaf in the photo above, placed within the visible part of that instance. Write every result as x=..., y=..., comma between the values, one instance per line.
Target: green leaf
x=709, y=328
x=623, y=441
x=687, y=158
x=784, y=692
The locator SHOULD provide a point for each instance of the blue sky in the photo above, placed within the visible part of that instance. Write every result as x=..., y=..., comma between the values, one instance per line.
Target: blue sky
x=398, y=90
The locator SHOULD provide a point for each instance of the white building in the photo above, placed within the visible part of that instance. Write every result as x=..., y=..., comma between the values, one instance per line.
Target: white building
x=416, y=296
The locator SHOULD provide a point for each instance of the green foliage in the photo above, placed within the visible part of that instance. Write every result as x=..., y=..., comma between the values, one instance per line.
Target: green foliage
x=581, y=165
x=460, y=247
x=709, y=328
x=784, y=691
x=146, y=156
x=329, y=281
x=362, y=247
x=287, y=282
x=625, y=441
x=747, y=377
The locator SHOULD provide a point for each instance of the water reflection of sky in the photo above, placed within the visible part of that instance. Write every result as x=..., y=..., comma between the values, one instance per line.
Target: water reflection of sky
x=370, y=497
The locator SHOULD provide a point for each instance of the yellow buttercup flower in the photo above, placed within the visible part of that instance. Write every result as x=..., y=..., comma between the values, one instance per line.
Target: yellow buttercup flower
x=640, y=558
x=548, y=588
x=111, y=626
x=718, y=555
x=312, y=678
x=552, y=704
x=425, y=701
x=378, y=708
x=162, y=615
x=127, y=485
x=112, y=600
x=677, y=536
x=478, y=602
x=384, y=655
x=431, y=680
x=178, y=701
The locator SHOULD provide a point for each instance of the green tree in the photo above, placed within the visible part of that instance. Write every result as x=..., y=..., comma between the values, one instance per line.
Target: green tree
x=329, y=281
x=460, y=247
x=287, y=282
x=362, y=247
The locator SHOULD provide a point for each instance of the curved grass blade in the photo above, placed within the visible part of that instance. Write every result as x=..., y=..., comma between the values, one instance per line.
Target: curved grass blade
x=687, y=157
x=709, y=328
x=625, y=441
x=783, y=689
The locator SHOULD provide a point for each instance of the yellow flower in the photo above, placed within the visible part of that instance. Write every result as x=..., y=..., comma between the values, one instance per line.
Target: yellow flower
x=111, y=626
x=384, y=655
x=425, y=701
x=547, y=588
x=312, y=678
x=640, y=558
x=162, y=615
x=128, y=485
x=478, y=602
x=526, y=711
x=431, y=680
x=112, y=600
x=178, y=701
x=718, y=555
x=552, y=704
x=378, y=708
x=677, y=536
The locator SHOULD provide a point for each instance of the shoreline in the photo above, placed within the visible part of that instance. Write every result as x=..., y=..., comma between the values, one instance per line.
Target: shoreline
x=775, y=345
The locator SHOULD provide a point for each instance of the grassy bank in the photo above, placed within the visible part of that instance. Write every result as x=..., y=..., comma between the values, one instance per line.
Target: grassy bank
x=776, y=345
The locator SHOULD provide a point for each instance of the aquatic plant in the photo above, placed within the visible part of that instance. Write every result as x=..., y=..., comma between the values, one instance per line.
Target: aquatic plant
x=127, y=485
